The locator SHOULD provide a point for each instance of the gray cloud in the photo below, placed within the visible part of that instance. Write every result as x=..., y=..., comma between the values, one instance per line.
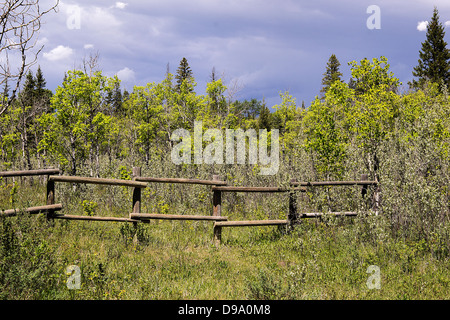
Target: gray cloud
x=267, y=46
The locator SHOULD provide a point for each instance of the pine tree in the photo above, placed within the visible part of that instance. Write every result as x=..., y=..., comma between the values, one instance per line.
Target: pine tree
x=40, y=81
x=213, y=76
x=332, y=73
x=184, y=72
x=434, y=62
x=265, y=118
x=28, y=92
x=41, y=94
x=114, y=100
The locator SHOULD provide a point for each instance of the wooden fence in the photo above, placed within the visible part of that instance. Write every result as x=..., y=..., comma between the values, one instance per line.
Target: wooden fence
x=217, y=187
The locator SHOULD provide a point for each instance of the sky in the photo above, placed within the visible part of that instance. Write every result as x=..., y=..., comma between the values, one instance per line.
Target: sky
x=259, y=48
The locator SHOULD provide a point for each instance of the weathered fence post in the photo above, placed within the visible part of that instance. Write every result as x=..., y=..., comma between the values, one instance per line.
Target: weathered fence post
x=217, y=203
x=136, y=194
x=364, y=177
x=293, y=214
x=50, y=197
x=376, y=197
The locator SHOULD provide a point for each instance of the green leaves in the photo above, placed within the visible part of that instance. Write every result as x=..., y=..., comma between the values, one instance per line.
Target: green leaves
x=364, y=113
x=325, y=138
x=372, y=75
x=78, y=128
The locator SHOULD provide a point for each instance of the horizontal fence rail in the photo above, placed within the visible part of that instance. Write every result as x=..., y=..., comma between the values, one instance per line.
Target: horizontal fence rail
x=145, y=216
x=24, y=173
x=320, y=214
x=250, y=189
x=33, y=210
x=334, y=183
x=93, y=218
x=112, y=182
x=183, y=181
x=257, y=189
x=251, y=223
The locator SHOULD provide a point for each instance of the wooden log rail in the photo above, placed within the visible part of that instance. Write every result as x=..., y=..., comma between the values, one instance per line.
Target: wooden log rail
x=250, y=223
x=24, y=173
x=150, y=216
x=32, y=210
x=102, y=181
x=321, y=214
x=256, y=189
x=93, y=218
x=334, y=183
x=182, y=181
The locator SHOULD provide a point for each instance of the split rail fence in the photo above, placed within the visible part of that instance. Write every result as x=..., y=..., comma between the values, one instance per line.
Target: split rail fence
x=217, y=187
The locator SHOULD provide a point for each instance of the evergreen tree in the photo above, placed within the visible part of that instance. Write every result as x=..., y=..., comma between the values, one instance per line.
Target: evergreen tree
x=28, y=92
x=40, y=81
x=184, y=72
x=213, y=76
x=434, y=62
x=41, y=94
x=265, y=118
x=114, y=100
x=332, y=73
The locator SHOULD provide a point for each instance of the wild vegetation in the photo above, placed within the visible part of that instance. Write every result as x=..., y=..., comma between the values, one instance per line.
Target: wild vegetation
x=90, y=127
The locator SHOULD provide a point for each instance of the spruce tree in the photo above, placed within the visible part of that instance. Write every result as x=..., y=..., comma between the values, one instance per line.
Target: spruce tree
x=114, y=100
x=40, y=84
x=265, y=118
x=434, y=62
x=332, y=73
x=184, y=72
x=28, y=93
x=41, y=94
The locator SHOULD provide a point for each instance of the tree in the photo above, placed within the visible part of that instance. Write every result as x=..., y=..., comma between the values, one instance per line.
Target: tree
x=265, y=118
x=114, y=100
x=332, y=73
x=374, y=108
x=184, y=73
x=370, y=75
x=42, y=95
x=213, y=76
x=78, y=130
x=28, y=91
x=434, y=62
x=31, y=102
x=285, y=112
x=146, y=113
x=216, y=99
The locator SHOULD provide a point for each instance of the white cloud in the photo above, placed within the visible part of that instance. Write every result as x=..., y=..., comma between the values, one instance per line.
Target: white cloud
x=88, y=46
x=59, y=53
x=121, y=5
x=447, y=23
x=41, y=41
x=126, y=74
x=422, y=25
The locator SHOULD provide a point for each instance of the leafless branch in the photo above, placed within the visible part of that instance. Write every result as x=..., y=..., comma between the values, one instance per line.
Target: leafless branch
x=20, y=22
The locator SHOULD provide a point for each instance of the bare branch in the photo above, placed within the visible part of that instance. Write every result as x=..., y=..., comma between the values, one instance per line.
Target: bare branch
x=20, y=22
